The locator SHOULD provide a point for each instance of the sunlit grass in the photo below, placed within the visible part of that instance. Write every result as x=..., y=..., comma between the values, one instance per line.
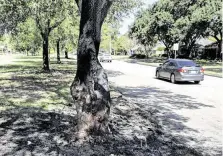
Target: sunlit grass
x=23, y=83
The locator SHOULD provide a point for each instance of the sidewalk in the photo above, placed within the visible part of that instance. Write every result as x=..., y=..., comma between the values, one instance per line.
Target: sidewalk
x=6, y=59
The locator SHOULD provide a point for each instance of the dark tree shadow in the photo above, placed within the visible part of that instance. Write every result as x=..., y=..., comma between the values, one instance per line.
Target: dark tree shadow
x=217, y=70
x=33, y=131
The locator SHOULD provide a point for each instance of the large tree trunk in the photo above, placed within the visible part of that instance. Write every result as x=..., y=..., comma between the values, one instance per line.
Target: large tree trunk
x=58, y=51
x=46, y=53
x=90, y=89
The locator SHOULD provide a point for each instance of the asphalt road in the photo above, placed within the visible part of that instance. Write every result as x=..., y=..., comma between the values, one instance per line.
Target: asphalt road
x=188, y=111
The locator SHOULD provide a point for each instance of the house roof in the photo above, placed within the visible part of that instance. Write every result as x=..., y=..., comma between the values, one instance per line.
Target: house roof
x=204, y=41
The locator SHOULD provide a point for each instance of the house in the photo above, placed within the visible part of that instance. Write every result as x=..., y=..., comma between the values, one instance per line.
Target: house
x=208, y=49
x=158, y=49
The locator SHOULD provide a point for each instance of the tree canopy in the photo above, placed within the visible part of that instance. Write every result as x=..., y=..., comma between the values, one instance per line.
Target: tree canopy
x=179, y=21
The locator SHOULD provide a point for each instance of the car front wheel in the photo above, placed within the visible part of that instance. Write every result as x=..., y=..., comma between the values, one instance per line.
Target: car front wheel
x=157, y=74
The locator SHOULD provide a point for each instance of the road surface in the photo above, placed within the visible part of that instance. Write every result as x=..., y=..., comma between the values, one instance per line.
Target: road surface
x=192, y=113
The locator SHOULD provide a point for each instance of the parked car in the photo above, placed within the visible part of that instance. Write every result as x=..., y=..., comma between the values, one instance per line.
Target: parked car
x=180, y=70
x=105, y=57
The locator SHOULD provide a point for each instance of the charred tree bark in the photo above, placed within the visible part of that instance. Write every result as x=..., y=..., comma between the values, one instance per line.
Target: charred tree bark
x=46, y=53
x=90, y=89
x=58, y=51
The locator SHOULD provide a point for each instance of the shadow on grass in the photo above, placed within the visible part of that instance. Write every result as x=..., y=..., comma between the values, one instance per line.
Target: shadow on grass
x=216, y=70
x=25, y=131
x=24, y=83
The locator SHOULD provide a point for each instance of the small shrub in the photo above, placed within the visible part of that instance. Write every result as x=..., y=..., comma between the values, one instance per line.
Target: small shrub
x=138, y=56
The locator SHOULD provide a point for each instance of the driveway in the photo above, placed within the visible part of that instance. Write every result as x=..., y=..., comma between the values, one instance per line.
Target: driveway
x=190, y=112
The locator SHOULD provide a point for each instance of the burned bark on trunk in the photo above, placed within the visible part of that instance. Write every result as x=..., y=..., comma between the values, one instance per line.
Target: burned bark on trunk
x=90, y=88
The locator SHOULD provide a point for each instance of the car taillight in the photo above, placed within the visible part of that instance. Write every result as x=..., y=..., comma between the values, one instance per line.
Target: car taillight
x=202, y=70
x=182, y=70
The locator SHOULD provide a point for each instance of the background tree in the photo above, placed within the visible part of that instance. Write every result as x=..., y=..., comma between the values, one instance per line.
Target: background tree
x=142, y=32
x=48, y=14
x=122, y=44
x=109, y=35
x=65, y=36
x=11, y=14
x=180, y=21
x=26, y=37
x=207, y=15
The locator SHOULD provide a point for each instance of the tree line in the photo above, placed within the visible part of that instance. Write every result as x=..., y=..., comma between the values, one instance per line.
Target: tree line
x=182, y=22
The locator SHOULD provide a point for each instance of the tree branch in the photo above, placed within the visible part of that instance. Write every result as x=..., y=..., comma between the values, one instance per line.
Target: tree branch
x=56, y=24
x=216, y=37
x=220, y=32
x=39, y=26
x=79, y=5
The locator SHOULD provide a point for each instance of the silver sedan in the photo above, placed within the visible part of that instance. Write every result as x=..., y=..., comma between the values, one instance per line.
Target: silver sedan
x=180, y=70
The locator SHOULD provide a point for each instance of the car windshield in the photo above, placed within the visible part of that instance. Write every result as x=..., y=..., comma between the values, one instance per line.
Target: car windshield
x=186, y=63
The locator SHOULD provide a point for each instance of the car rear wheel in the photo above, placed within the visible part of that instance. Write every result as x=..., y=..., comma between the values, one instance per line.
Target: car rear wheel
x=172, y=78
x=157, y=74
x=196, y=82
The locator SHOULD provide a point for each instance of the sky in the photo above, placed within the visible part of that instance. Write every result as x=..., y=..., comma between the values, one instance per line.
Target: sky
x=129, y=20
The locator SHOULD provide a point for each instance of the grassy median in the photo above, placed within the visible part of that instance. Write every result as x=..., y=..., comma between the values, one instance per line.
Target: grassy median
x=23, y=83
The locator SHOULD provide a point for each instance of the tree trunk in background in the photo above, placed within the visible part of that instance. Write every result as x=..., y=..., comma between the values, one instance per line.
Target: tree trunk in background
x=168, y=51
x=219, y=55
x=46, y=53
x=90, y=88
x=147, y=53
x=66, y=55
x=58, y=51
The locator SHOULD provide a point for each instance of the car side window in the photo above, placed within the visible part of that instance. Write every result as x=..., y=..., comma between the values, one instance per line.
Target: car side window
x=166, y=64
x=171, y=64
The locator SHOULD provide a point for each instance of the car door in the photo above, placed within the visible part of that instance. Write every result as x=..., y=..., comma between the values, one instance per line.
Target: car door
x=170, y=69
x=163, y=69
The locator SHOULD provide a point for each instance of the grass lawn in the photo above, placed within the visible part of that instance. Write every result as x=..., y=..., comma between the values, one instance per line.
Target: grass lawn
x=120, y=57
x=23, y=83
